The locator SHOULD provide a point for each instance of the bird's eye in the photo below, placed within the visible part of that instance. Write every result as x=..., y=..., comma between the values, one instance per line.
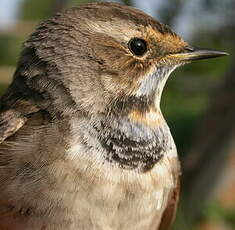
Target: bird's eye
x=138, y=46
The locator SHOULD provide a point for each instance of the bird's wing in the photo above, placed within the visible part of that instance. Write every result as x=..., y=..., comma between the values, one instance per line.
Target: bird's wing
x=16, y=103
x=14, y=117
x=14, y=113
x=12, y=222
x=170, y=211
x=15, y=221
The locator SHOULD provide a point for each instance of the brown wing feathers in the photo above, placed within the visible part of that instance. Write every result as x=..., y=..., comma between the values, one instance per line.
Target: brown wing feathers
x=170, y=211
x=13, y=118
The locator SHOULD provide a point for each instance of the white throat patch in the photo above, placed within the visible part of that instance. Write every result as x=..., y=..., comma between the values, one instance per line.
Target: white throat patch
x=154, y=81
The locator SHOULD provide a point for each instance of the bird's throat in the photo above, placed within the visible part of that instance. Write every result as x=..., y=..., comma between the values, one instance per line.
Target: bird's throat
x=136, y=141
x=152, y=84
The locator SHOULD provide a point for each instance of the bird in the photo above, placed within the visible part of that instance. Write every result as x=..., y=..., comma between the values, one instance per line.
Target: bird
x=83, y=142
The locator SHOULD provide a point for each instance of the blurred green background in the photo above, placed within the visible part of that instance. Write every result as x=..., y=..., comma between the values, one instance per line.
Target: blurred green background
x=198, y=102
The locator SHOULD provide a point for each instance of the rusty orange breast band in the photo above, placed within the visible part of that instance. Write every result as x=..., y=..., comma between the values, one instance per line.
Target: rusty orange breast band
x=151, y=118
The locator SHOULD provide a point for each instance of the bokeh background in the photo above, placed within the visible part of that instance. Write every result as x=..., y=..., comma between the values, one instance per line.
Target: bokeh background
x=198, y=102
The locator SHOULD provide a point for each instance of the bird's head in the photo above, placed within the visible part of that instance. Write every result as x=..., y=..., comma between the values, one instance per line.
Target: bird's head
x=103, y=54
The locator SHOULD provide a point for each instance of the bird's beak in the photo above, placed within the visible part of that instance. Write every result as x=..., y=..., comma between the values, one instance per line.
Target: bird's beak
x=193, y=54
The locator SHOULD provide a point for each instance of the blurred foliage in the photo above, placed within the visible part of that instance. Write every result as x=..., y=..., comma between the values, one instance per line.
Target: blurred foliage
x=186, y=97
x=35, y=10
x=78, y=2
x=10, y=47
x=2, y=87
x=128, y=2
x=216, y=212
x=168, y=12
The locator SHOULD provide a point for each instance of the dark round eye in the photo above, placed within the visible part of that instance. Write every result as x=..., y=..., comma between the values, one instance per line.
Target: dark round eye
x=138, y=46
